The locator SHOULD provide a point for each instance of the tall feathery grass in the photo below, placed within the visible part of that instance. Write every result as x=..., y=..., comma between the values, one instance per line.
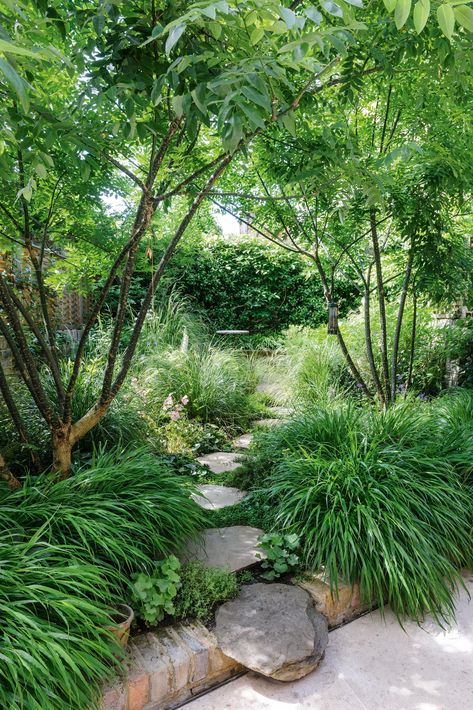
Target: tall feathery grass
x=218, y=384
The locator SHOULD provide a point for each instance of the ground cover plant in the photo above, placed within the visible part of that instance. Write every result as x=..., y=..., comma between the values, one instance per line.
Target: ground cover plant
x=371, y=496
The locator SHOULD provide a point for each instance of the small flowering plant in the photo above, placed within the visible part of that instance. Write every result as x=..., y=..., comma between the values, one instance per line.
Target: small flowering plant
x=174, y=409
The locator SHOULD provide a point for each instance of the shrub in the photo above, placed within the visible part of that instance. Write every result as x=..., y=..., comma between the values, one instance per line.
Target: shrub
x=55, y=650
x=248, y=283
x=124, y=509
x=153, y=594
x=202, y=589
x=374, y=500
x=217, y=383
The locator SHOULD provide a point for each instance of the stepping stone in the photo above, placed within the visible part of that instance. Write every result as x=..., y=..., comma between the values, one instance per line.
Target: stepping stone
x=212, y=497
x=220, y=461
x=267, y=423
x=233, y=548
x=282, y=411
x=243, y=442
x=273, y=629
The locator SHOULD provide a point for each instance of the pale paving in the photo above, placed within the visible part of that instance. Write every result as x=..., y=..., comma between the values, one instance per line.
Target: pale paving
x=212, y=497
x=233, y=548
x=221, y=461
x=372, y=664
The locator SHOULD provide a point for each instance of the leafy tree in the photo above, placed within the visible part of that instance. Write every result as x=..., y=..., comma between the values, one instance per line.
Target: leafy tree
x=165, y=94
x=375, y=184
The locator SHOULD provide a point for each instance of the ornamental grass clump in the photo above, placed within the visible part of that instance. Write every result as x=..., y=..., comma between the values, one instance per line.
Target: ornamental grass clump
x=218, y=385
x=54, y=648
x=374, y=500
x=124, y=510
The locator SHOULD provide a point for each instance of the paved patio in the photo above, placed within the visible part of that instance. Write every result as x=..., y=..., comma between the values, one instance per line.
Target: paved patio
x=372, y=664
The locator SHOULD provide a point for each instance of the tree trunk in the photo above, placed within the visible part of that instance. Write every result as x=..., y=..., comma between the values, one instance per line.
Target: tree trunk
x=62, y=450
x=382, y=305
x=400, y=316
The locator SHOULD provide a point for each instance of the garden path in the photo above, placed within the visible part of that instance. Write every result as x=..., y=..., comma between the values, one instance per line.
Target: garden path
x=372, y=664
x=233, y=548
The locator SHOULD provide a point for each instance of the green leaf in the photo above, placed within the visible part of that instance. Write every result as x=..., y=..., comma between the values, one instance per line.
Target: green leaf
x=356, y=3
x=157, y=30
x=40, y=170
x=209, y=12
x=256, y=98
x=199, y=94
x=401, y=12
x=446, y=19
x=15, y=49
x=256, y=35
x=421, y=14
x=253, y=115
x=18, y=84
x=289, y=122
x=313, y=14
x=332, y=8
x=390, y=5
x=178, y=105
x=174, y=36
x=98, y=22
x=464, y=17
x=288, y=16
x=216, y=29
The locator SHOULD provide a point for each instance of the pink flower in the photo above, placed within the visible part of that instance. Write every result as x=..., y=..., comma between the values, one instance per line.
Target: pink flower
x=185, y=400
x=168, y=402
x=175, y=415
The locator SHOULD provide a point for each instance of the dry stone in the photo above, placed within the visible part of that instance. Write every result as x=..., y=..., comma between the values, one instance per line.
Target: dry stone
x=233, y=548
x=221, y=461
x=273, y=629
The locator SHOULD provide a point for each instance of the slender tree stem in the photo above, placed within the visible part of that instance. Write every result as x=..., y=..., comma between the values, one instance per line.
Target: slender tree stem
x=399, y=320
x=381, y=305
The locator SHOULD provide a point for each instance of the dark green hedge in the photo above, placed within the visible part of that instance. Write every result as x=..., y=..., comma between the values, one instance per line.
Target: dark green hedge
x=251, y=285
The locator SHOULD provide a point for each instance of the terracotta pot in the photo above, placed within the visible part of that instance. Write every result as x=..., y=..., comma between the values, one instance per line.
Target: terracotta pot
x=123, y=618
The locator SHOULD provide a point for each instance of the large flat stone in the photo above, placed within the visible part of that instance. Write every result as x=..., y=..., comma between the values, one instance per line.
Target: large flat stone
x=273, y=629
x=220, y=461
x=212, y=497
x=232, y=548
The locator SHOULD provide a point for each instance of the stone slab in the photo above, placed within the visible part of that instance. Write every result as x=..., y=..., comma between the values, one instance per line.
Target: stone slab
x=221, y=461
x=373, y=664
x=243, y=441
x=233, y=548
x=212, y=497
x=267, y=423
x=282, y=412
x=274, y=630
